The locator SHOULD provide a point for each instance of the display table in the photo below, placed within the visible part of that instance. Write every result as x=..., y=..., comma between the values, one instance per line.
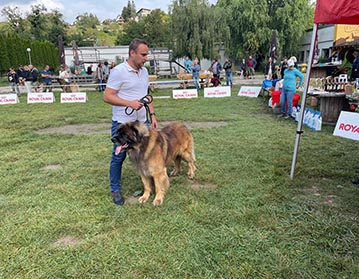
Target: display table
x=330, y=105
x=323, y=69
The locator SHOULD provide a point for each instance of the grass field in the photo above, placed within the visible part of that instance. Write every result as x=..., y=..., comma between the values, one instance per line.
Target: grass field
x=242, y=216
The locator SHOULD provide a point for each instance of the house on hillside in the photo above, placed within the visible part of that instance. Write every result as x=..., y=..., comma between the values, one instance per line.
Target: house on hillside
x=143, y=12
x=120, y=20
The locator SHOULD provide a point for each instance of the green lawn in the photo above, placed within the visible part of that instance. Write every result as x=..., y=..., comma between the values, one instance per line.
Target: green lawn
x=242, y=216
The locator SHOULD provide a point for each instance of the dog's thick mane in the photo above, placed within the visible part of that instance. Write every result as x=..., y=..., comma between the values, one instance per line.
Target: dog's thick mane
x=138, y=152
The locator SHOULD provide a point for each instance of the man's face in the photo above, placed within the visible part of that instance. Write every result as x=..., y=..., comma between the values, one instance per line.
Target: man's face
x=140, y=57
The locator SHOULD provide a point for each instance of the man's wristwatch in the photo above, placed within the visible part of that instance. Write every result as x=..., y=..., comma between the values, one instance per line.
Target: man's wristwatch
x=152, y=113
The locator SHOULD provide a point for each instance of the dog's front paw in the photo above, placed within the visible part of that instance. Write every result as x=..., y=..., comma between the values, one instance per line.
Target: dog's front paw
x=157, y=201
x=143, y=199
x=190, y=175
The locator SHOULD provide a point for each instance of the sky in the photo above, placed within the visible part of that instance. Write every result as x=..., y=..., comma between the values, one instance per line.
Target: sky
x=103, y=9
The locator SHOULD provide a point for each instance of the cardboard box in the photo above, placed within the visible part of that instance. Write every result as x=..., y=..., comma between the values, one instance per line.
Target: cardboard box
x=348, y=89
x=313, y=101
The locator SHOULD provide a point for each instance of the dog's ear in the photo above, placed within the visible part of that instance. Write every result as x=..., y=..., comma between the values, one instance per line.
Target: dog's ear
x=137, y=133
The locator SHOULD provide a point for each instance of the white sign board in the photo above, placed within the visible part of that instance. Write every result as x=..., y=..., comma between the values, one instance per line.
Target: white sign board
x=6, y=99
x=76, y=97
x=249, y=91
x=217, y=92
x=40, y=98
x=185, y=94
x=347, y=125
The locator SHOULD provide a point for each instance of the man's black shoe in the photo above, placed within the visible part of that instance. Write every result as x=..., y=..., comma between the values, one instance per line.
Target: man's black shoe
x=117, y=198
x=355, y=181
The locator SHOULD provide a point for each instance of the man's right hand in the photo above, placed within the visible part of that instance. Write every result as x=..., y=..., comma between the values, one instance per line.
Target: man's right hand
x=135, y=104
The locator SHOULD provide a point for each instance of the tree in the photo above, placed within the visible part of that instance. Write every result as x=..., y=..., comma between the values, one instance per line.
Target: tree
x=193, y=28
x=248, y=22
x=57, y=27
x=4, y=56
x=84, y=30
x=131, y=30
x=129, y=11
x=87, y=21
x=157, y=29
x=252, y=22
x=15, y=21
x=38, y=21
x=292, y=19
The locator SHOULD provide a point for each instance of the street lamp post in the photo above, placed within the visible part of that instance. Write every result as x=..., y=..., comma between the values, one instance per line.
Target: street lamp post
x=28, y=51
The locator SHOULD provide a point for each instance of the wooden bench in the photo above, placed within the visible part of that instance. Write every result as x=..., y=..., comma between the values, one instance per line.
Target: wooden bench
x=185, y=78
x=79, y=79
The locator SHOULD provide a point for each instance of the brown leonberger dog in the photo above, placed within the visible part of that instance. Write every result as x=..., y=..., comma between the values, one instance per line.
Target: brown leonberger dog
x=152, y=152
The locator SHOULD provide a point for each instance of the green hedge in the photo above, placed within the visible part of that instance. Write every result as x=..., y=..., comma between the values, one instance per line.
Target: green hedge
x=13, y=53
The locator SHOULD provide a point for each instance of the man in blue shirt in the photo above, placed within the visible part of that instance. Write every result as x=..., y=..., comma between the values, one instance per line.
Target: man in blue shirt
x=188, y=63
x=46, y=79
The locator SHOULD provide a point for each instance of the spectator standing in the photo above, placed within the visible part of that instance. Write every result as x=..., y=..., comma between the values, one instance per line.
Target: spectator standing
x=46, y=76
x=251, y=63
x=289, y=88
x=100, y=75
x=187, y=64
x=106, y=71
x=128, y=83
x=13, y=79
x=269, y=70
x=195, y=68
x=227, y=66
x=216, y=68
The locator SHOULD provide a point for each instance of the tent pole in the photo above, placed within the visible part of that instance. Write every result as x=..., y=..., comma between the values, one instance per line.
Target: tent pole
x=304, y=97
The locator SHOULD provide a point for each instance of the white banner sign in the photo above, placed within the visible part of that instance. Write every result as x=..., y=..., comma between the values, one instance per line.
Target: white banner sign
x=347, y=125
x=6, y=99
x=76, y=97
x=185, y=94
x=217, y=92
x=40, y=98
x=249, y=91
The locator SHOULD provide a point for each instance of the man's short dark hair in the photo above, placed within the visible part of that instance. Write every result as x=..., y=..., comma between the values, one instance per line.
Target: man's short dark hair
x=135, y=44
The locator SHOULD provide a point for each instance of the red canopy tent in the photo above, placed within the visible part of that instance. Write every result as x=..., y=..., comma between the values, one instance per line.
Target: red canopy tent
x=336, y=12
x=326, y=12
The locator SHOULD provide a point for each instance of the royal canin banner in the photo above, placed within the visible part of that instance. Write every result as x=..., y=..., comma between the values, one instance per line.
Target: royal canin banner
x=249, y=91
x=347, y=125
x=78, y=97
x=337, y=12
x=185, y=94
x=6, y=99
x=33, y=98
x=217, y=92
